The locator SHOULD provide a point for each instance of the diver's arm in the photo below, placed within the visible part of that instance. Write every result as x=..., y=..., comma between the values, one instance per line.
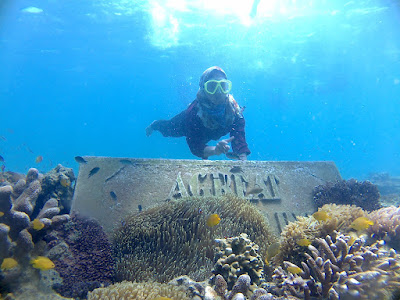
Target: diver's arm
x=221, y=147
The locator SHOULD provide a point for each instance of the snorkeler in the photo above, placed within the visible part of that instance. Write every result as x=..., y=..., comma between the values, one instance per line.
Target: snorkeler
x=213, y=114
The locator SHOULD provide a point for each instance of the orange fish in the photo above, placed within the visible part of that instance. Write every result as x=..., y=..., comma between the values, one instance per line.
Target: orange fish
x=39, y=159
x=213, y=220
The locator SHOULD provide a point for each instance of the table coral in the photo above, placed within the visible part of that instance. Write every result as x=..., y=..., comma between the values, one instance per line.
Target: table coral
x=339, y=268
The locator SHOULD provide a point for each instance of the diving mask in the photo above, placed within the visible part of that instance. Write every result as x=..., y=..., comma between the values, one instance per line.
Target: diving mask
x=211, y=86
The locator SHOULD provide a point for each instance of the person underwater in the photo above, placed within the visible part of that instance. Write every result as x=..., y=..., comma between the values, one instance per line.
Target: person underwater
x=213, y=114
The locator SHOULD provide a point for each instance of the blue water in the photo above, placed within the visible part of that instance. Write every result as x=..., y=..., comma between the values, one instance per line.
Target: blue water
x=320, y=79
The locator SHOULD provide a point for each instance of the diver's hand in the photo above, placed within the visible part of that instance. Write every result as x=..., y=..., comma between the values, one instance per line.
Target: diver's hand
x=223, y=146
x=149, y=129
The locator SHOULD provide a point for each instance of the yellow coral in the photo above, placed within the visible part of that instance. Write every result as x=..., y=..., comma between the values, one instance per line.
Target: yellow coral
x=127, y=290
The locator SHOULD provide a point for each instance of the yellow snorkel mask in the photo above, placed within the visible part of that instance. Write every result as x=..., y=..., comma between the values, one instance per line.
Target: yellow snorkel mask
x=211, y=86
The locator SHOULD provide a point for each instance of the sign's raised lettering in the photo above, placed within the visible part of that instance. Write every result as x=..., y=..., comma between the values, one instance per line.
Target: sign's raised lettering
x=254, y=187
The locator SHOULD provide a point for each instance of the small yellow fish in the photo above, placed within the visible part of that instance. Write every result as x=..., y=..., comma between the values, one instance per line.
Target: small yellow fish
x=361, y=223
x=321, y=215
x=213, y=220
x=65, y=182
x=253, y=191
x=1, y=214
x=8, y=263
x=353, y=238
x=42, y=263
x=162, y=298
x=37, y=224
x=39, y=159
x=273, y=250
x=304, y=242
x=266, y=261
x=294, y=270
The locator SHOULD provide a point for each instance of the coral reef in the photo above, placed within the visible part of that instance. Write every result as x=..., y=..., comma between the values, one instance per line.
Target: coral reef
x=19, y=238
x=18, y=203
x=33, y=285
x=173, y=239
x=236, y=256
x=386, y=225
x=195, y=290
x=341, y=268
x=57, y=184
x=363, y=194
x=242, y=289
x=82, y=255
x=139, y=291
x=340, y=217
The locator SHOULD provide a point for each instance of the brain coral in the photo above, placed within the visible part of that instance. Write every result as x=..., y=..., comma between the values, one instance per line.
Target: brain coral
x=173, y=239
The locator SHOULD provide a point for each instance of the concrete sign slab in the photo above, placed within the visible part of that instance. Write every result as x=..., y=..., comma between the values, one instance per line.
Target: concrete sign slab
x=109, y=189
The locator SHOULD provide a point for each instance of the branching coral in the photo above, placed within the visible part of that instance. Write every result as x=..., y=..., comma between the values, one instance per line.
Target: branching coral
x=363, y=194
x=173, y=239
x=340, y=217
x=139, y=291
x=339, y=268
x=386, y=225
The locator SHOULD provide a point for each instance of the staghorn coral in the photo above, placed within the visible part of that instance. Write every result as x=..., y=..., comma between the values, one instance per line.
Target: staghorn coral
x=341, y=269
x=363, y=194
x=235, y=257
x=82, y=255
x=341, y=216
x=386, y=225
x=139, y=291
x=173, y=239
